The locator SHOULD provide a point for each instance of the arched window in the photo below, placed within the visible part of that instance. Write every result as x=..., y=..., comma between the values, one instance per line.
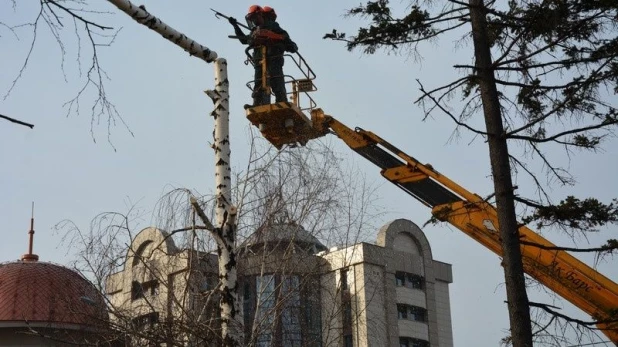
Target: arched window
x=138, y=257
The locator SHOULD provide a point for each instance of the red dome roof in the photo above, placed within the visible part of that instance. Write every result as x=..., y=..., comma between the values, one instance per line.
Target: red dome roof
x=42, y=292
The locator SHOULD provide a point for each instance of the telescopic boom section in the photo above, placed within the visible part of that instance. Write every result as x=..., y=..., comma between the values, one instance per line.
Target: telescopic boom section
x=285, y=124
x=559, y=271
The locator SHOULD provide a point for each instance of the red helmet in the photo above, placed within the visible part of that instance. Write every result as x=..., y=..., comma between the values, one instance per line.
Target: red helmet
x=269, y=12
x=254, y=9
x=252, y=15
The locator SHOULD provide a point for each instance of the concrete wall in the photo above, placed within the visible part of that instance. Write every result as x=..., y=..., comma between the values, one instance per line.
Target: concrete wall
x=443, y=307
x=401, y=247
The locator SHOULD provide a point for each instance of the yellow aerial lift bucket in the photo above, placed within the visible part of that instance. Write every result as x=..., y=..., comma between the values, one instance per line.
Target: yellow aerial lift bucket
x=285, y=123
x=282, y=124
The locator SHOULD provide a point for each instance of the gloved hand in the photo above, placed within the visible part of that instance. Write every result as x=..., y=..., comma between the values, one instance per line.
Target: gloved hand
x=232, y=21
x=292, y=48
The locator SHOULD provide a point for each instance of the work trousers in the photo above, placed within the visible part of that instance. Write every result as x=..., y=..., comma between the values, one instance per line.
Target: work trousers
x=276, y=81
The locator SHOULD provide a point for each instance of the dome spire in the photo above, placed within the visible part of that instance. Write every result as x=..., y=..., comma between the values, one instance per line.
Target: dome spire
x=30, y=256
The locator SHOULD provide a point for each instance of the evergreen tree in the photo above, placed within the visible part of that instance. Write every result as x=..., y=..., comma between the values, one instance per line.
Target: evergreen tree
x=544, y=74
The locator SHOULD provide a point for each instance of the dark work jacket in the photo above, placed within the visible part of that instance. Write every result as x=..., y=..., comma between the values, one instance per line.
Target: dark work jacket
x=278, y=48
x=272, y=50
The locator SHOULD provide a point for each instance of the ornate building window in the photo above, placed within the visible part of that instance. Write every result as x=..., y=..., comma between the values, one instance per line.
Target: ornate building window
x=281, y=311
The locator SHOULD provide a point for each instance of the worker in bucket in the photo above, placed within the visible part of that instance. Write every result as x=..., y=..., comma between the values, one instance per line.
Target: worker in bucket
x=266, y=32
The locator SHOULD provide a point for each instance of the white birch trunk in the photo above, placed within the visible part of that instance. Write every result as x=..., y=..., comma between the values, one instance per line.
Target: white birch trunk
x=225, y=213
x=224, y=231
x=142, y=16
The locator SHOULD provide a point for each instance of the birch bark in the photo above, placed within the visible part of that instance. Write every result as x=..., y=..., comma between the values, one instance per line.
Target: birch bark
x=224, y=231
x=140, y=15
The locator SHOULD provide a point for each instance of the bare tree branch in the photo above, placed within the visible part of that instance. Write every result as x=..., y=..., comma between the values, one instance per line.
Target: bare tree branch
x=75, y=15
x=605, y=248
x=201, y=214
x=17, y=121
x=443, y=109
x=552, y=310
x=54, y=16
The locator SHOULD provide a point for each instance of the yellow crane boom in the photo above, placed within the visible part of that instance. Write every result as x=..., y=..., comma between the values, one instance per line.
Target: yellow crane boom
x=572, y=279
x=285, y=124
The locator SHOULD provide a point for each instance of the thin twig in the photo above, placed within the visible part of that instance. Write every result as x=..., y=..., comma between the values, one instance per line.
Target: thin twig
x=82, y=19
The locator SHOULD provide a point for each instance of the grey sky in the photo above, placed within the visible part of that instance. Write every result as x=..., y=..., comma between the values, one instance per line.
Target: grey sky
x=158, y=88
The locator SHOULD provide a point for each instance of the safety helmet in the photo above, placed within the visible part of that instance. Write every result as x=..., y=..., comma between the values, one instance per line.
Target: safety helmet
x=254, y=9
x=252, y=13
x=269, y=12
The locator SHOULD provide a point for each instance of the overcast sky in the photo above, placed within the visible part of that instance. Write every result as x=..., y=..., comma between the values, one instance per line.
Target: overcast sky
x=157, y=88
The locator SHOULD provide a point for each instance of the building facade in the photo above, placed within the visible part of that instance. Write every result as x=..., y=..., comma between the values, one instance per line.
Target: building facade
x=164, y=295
x=392, y=293
x=293, y=291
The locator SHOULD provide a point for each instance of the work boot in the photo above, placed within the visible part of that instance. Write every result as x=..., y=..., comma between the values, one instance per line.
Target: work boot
x=281, y=98
x=260, y=97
